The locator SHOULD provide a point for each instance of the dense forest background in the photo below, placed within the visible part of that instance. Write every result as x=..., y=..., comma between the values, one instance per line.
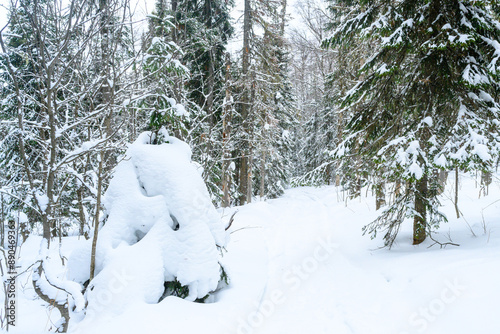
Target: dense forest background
x=80, y=82
x=359, y=92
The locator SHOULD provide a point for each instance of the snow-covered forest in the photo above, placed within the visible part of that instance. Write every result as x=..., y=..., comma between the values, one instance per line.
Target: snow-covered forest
x=256, y=166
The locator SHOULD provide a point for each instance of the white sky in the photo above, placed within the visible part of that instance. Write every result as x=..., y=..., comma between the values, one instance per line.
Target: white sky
x=142, y=7
x=3, y=16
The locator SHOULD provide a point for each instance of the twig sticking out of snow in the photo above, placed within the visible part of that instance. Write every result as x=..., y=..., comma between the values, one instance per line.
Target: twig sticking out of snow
x=231, y=220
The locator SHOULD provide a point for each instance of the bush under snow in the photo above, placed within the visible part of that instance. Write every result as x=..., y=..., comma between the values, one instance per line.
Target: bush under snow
x=161, y=227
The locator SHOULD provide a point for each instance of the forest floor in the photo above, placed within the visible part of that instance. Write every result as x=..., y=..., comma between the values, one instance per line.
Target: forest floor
x=300, y=264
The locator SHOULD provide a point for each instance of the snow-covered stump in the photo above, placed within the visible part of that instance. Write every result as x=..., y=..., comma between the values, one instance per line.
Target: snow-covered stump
x=162, y=235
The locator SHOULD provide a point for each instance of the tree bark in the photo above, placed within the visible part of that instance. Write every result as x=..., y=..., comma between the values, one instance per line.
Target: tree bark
x=456, y=193
x=62, y=307
x=262, y=190
x=420, y=219
x=96, y=219
x=244, y=161
x=443, y=176
x=486, y=180
x=379, y=194
x=226, y=135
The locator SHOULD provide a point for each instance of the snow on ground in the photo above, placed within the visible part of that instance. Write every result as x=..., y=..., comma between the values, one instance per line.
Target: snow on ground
x=299, y=264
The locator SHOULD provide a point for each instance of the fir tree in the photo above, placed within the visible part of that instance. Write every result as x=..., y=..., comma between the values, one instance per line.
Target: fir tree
x=165, y=95
x=274, y=108
x=426, y=100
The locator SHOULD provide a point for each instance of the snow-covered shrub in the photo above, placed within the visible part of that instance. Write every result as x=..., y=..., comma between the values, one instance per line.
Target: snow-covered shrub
x=162, y=235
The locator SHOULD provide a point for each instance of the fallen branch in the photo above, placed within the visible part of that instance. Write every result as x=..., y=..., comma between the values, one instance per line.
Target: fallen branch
x=245, y=228
x=441, y=244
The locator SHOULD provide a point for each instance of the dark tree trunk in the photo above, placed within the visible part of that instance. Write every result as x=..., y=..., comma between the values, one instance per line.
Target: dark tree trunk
x=420, y=219
x=456, y=193
x=226, y=135
x=244, y=165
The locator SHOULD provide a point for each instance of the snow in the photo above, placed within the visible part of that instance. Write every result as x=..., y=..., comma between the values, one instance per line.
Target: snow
x=161, y=226
x=427, y=120
x=440, y=161
x=397, y=36
x=415, y=170
x=179, y=109
x=299, y=264
x=156, y=40
x=382, y=69
x=486, y=97
x=42, y=200
x=482, y=152
x=20, y=217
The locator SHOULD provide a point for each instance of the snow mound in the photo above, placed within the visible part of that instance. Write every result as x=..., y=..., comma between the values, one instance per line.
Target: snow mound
x=161, y=227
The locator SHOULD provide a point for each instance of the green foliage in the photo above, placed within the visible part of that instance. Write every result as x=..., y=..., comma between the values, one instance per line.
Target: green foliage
x=175, y=288
x=426, y=99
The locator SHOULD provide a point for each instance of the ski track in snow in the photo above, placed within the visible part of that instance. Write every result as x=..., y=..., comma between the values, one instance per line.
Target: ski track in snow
x=299, y=264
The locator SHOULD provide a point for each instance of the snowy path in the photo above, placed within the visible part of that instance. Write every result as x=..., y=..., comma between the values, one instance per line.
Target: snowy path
x=324, y=277
x=299, y=264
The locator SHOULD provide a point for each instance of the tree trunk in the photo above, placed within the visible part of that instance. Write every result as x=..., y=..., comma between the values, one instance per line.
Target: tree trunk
x=61, y=306
x=262, y=190
x=340, y=131
x=226, y=135
x=379, y=194
x=244, y=165
x=420, y=219
x=485, y=181
x=81, y=213
x=50, y=229
x=397, y=188
x=456, y=193
x=96, y=218
x=443, y=176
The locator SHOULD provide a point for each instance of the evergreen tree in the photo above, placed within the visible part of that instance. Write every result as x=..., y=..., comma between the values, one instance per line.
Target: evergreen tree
x=164, y=98
x=273, y=106
x=426, y=100
x=265, y=104
x=202, y=29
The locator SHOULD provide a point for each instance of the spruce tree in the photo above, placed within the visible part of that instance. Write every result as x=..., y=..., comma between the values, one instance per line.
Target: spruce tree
x=273, y=104
x=426, y=99
x=202, y=30
x=164, y=101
